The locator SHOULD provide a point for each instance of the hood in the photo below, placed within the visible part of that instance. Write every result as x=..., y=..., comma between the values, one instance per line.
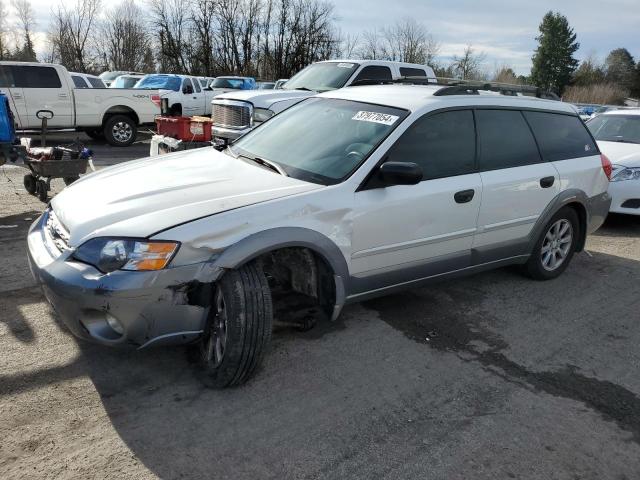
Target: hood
x=627, y=154
x=142, y=197
x=266, y=98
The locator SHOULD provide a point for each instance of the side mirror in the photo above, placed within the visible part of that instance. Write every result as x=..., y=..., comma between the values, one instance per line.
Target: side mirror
x=399, y=173
x=187, y=90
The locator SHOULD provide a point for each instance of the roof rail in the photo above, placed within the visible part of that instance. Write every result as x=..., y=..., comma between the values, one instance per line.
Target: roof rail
x=452, y=86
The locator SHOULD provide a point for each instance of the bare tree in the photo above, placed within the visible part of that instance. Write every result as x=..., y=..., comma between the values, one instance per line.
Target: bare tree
x=70, y=34
x=25, y=25
x=4, y=47
x=125, y=42
x=468, y=66
x=505, y=74
x=405, y=41
x=171, y=19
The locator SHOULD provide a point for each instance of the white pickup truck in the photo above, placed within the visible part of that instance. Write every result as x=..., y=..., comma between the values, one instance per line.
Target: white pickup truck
x=180, y=94
x=236, y=113
x=112, y=113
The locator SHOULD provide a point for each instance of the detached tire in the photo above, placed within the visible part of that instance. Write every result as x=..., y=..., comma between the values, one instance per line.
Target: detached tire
x=239, y=328
x=30, y=184
x=120, y=131
x=554, y=249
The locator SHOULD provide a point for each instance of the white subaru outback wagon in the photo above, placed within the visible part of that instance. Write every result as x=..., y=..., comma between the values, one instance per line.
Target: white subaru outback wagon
x=347, y=195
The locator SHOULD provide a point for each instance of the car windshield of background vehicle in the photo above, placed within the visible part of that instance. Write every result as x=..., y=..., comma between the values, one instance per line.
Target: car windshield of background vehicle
x=616, y=128
x=322, y=77
x=124, y=82
x=235, y=83
x=320, y=140
x=160, y=83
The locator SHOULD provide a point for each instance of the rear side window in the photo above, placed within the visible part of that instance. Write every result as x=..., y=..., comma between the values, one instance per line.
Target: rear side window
x=444, y=144
x=560, y=136
x=412, y=72
x=505, y=140
x=6, y=77
x=96, y=82
x=374, y=72
x=196, y=85
x=79, y=81
x=36, y=77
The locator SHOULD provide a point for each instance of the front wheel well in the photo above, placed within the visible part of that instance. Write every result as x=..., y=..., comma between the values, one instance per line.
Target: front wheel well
x=302, y=285
x=581, y=211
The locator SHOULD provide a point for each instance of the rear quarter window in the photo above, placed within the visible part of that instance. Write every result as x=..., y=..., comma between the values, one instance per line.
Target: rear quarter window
x=412, y=72
x=560, y=137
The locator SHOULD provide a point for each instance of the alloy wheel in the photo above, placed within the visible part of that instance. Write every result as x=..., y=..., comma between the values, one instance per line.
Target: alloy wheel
x=556, y=244
x=217, y=341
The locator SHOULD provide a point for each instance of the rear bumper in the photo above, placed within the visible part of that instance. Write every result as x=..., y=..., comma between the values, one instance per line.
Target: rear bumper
x=598, y=209
x=622, y=192
x=151, y=308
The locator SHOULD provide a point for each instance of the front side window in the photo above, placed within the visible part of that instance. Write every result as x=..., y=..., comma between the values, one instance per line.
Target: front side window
x=560, y=136
x=443, y=144
x=374, y=72
x=322, y=77
x=616, y=128
x=320, y=140
x=505, y=140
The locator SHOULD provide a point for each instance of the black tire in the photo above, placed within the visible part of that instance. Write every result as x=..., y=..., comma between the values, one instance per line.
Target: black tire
x=551, y=263
x=96, y=134
x=120, y=131
x=69, y=180
x=30, y=183
x=42, y=191
x=248, y=310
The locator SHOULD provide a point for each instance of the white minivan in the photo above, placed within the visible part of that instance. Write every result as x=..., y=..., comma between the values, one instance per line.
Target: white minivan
x=345, y=196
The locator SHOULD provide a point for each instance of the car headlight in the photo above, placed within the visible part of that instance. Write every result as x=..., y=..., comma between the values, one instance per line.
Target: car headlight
x=262, y=114
x=110, y=254
x=625, y=173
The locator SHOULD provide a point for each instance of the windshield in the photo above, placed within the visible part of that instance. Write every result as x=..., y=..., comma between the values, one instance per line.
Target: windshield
x=616, y=128
x=124, y=82
x=160, y=82
x=108, y=76
x=322, y=77
x=221, y=82
x=320, y=140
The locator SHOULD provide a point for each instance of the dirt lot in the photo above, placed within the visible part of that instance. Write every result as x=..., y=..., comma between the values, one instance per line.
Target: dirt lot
x=488, y=377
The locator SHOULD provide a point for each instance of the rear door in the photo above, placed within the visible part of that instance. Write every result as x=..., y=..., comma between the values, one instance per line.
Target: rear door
x=14, y=94
x=45, y=89
x=517, y=183
x=406, y=232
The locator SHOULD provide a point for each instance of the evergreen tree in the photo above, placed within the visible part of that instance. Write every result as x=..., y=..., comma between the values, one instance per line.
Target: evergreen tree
x=553, y=61
x=620, y=68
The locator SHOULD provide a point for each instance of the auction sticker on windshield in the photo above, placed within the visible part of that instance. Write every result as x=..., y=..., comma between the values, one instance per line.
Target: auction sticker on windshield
x=375, y=117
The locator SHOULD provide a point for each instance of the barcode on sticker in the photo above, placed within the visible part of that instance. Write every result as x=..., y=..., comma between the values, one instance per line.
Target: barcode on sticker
x=375, y=117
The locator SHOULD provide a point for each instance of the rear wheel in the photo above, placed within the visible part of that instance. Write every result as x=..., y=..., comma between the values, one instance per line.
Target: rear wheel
x=239, y=328
x=555, y=247
x=120, y=131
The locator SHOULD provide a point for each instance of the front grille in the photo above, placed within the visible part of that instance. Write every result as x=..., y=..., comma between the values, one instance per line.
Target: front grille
x=232, y=116
x=56, y=232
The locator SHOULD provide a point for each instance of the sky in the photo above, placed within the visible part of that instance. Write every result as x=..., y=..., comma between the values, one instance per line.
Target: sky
x=504, y=31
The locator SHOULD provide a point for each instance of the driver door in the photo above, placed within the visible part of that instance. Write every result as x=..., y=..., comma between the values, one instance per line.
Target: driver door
x=407, y=232
x=190, y=106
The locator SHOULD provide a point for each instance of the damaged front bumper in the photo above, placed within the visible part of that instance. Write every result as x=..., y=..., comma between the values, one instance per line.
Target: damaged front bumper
x=121, y=308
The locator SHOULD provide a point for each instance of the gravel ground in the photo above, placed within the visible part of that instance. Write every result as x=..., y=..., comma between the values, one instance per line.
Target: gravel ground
x=488, y=377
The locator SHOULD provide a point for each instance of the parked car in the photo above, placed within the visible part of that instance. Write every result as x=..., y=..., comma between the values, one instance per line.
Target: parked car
x=126, y=81
x=236, y=113
x=348, y=195
x=205, y=81
x=266, y=85
x=618, y=135
x=181, y=94
x=115, y=115
x=232, y=84
x=108, y=77
x=85, y=80
x=280, y=83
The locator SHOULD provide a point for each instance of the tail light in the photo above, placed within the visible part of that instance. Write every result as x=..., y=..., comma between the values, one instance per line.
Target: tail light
x=156, y=99
x=606, y=165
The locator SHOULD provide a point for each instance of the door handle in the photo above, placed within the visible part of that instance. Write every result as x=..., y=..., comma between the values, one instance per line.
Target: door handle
x=547, y=182
x=17, y=95
x=62, y=95
x=464, y=196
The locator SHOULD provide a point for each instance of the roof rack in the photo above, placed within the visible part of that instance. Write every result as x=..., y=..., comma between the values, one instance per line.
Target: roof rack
x=452, y=86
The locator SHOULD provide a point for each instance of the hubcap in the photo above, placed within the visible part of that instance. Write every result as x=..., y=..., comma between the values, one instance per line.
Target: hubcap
x=122, y=132
x=216, y=343
x=556, y=244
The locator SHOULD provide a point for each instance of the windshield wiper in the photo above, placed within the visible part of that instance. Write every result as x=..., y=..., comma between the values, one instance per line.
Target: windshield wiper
x=304, y=88
x=266, y=163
